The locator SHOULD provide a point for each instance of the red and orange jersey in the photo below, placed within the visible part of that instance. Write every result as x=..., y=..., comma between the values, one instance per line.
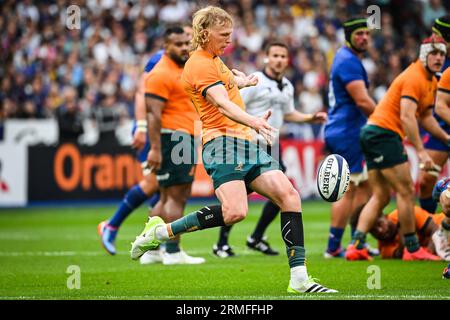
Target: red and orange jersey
x=164, y=83
x=422, y=217
x=201, y=72
x=414, y=83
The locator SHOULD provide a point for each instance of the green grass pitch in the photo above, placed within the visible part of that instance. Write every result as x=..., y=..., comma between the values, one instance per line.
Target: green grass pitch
x=38, y=245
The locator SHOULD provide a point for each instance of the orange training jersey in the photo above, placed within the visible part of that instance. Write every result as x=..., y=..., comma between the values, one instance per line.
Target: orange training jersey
x=412, y=84
x=164, y=83
x=444, y=83
x=422, y=217
x=201, y=72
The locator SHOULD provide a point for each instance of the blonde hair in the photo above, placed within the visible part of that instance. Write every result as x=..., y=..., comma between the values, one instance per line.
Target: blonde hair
x=206, y=18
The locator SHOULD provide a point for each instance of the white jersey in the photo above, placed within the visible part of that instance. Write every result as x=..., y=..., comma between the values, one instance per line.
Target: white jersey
x=269, y=94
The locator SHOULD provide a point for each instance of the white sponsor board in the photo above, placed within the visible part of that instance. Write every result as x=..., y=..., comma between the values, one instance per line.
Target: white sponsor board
x=13, y=175
x=30, y=132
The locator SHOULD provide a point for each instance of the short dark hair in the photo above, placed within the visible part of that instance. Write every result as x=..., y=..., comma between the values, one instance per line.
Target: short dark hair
x=276, y=43
x=177, y=29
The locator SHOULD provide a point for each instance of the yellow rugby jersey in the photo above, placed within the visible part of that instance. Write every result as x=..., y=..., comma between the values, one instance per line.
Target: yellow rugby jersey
x=201, y=72
x=412, y=83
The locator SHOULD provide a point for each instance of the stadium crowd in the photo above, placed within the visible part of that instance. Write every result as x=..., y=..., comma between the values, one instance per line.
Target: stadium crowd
x=42, y=60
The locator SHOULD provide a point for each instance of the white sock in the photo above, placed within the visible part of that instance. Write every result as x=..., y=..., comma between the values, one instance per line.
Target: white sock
x=161, y=232
x=298, y=276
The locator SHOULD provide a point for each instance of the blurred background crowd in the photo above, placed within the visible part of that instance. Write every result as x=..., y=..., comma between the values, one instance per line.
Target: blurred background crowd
x=48, y=70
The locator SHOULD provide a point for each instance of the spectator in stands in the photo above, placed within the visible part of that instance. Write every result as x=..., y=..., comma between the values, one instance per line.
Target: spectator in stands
x=69, y=117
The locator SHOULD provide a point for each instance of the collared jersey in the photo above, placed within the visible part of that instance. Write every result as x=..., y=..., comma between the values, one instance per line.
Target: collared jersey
x=164, y=83
x=413, y=83
x=269, y=94
x=201, y=72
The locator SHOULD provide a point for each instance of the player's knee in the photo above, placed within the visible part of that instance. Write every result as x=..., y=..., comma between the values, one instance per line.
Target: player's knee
x=233, y=213
x=148, y=187
x=289, y=198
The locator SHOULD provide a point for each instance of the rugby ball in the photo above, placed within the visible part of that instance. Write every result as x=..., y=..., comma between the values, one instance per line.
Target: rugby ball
x=333, y=178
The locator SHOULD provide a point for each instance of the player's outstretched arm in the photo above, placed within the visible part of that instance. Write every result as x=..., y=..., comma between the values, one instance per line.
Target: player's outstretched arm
x=218, y=96
x=299, y=117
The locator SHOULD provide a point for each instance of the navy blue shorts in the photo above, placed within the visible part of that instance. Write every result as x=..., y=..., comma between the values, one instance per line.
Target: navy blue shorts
x=349, y=148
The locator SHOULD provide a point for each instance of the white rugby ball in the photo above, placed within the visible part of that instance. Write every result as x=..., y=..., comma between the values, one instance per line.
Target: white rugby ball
x=333, y=178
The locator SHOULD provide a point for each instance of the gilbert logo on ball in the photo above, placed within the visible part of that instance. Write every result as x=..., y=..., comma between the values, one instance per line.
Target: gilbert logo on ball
x=333, y=178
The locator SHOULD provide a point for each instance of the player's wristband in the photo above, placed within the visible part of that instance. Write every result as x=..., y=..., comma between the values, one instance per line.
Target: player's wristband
x=141, y=126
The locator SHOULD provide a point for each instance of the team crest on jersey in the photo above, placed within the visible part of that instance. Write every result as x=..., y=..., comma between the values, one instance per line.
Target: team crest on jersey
x=239, y=167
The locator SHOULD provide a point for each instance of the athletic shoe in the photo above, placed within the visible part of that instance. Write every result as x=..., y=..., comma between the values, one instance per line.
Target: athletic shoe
x=147, y=239
x=373, y=252
x=261, y=246
x=309, y=286
x=446, y=272
x=181, y=257
x=353, y=254
x=224, y=251
x=441, y=240
x=107, y=236
x=339, y=253
x=420, y=254
x=151, y=257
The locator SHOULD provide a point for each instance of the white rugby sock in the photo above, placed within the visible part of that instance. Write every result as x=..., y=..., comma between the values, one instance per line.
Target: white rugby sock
x=161, y=233
x=298, y=276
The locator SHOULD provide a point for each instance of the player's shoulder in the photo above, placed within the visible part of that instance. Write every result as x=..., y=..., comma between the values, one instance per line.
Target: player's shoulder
x=162, y=72
x=288, y=83
x=445, y=75
x=198, y=58
x=345, y=59
x=345, y=54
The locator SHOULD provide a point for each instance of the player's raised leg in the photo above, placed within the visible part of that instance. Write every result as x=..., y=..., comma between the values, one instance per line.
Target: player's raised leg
x=277, y=187
x=174, y=199
x=233, y=208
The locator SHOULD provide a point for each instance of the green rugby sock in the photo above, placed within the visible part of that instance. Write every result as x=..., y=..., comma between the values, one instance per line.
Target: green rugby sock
x=205, y=218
